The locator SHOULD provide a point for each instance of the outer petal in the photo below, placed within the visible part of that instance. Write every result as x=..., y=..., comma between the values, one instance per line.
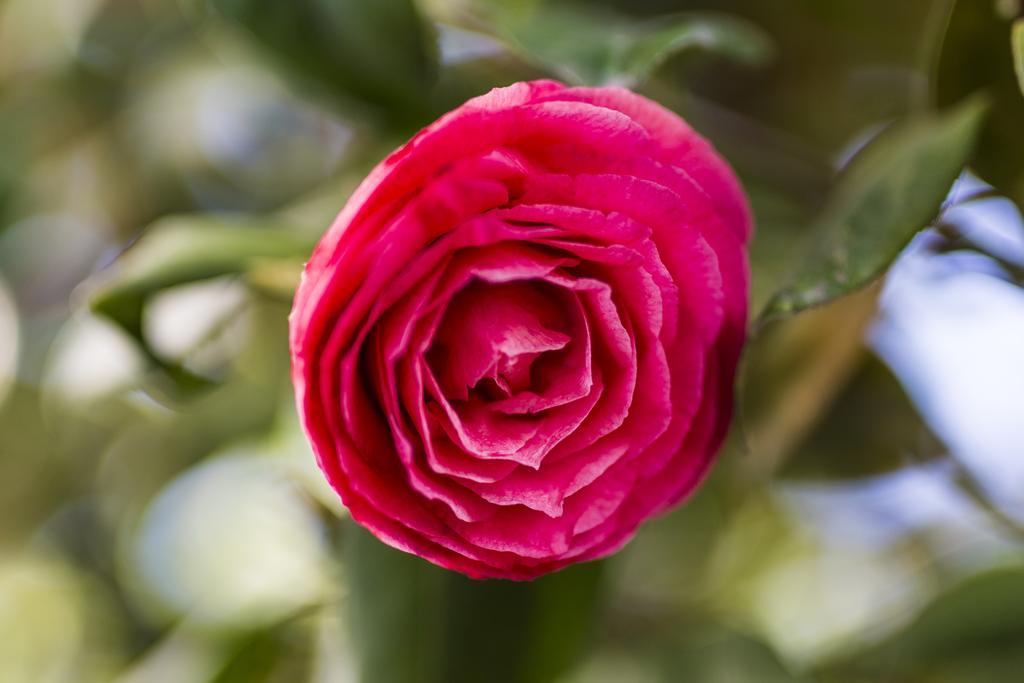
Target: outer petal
x=518, y=339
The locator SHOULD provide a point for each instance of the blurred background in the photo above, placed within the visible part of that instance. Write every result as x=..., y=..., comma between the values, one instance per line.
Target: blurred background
x=166, y=166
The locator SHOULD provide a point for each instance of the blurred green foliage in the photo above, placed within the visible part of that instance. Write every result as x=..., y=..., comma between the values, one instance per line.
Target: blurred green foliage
x=338, y=46
x=165, y=166
x=977, y=55
x=598, y=47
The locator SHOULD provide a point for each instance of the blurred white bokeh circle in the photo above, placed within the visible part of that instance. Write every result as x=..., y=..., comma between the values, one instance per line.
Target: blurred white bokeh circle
x=231, y=543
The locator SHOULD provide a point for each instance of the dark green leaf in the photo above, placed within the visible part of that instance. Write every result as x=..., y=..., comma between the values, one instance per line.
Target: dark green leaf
x=282, y=653
x=591, y=47
x=370, y=52
x=698, y=648
x=720, y=34
x=892, y=189
x=977, y=55
x=792, y=371
x=840, y=446
x=414, y=622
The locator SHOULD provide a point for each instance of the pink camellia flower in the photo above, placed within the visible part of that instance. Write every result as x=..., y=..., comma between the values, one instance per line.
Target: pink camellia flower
x=518, y=339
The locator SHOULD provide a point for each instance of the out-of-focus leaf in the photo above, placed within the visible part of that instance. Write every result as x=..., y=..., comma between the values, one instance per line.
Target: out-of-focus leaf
x=591, y=47
x=183, y=249
x=792, y=371
x=241, y=407
x=278, y=278
x=977, y=54
x=839, y=67
x=60, y=623
x=785, y=178
x=30, y=465
x=697, y=649
x=720, y=34
x=968, y=484
x=728, y=656
x=451, y=629
x=840, y=446
x=7, y=187
x=892, y=189
x=1017, y=37
x=972, y=632
x=281, y=653
x=370, y=52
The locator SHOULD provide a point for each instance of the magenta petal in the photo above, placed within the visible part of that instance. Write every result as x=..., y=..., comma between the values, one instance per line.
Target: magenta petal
x=557, y=378
x=518, y=340
x=679, y=144
x=492, y=330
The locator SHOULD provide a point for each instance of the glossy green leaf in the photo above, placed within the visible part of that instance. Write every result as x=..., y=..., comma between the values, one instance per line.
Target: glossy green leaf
x=585, y=46
x=451, y=629
x=380, y=54
x=892, y=189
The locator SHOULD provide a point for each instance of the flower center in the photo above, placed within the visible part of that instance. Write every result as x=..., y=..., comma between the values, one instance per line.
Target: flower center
x=493, y=336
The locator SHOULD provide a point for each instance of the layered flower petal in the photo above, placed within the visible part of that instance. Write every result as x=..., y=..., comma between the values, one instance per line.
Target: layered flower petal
x=518, y=339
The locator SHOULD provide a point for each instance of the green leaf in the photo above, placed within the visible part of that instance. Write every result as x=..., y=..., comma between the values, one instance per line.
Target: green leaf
x=840, y=447
x=379, y=53
x=792, y=371
x=282, y=652
x=977, y=55
x=585, y=46
x=1017, y=38
x=970, y=632
x=414, y=622
x=183, y=249
x=892, y=189
x=655, y=42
